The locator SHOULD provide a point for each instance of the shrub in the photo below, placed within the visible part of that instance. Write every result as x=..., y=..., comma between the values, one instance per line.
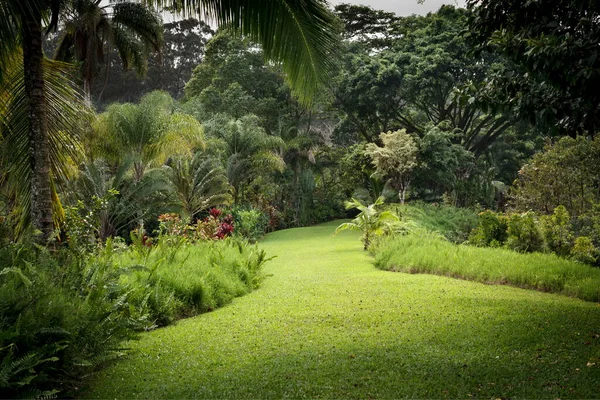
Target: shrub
x=60, y=317
x=524, y=234
x=172, y=283
x=584, y=250
x=250, y=224
x=557, y=232
x=491, y=230
x=452, y=222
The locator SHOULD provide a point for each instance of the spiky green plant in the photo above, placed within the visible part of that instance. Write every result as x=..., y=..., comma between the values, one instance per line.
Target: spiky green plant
x=370, y=221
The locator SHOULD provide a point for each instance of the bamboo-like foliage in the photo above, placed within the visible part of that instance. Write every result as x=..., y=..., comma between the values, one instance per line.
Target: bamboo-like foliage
x=298, y=33
x=65, y=111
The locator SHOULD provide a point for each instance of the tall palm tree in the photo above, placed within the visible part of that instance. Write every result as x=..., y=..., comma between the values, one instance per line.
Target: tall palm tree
x=299, y=33
x=247, y=150
x=65, y=111
x=90, y=30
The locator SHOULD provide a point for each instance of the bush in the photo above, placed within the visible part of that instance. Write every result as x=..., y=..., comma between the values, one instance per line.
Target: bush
x=63, y=314
x=557, y=232
x=251, y=224
x=452, y=222
x=584, y=250
x=60, y=317
x=491, y=230
x=524, y=234
x=171, y=283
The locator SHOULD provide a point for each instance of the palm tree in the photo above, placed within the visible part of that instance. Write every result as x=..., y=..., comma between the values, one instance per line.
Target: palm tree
x=370, y=221
x=65, y=110
x=148, y=133
x=198, y=183
x=90, y=30
x=299, y=33
x=247, y=150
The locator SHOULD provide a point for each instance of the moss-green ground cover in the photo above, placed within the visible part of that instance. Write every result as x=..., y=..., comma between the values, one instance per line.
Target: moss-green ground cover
x=328, y=324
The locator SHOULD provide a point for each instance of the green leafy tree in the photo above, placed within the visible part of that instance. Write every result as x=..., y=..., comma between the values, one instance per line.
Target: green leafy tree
x=396, y=160
x=370, y=221
x=563, y=174
x=553, y=49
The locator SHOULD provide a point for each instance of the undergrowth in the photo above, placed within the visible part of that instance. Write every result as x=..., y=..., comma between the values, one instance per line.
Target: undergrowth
x=64, y=314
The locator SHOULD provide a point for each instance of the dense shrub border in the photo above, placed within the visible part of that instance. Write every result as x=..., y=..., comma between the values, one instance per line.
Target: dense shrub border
x=433, y=255
x=63, y=314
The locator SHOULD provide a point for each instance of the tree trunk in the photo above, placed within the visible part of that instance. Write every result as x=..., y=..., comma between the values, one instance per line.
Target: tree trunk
x=33, y=58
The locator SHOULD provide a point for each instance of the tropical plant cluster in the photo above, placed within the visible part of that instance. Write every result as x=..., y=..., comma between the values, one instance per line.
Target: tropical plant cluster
x=66, y=313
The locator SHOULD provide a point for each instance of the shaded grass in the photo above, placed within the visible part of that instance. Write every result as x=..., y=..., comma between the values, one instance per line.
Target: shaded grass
x=327, y=324
x=545, y=272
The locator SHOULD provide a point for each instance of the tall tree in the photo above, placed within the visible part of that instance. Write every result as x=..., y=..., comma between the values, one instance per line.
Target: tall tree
x=183, y=49
x=91, y=29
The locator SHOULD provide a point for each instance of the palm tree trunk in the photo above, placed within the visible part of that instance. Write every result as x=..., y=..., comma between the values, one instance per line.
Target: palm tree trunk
x=33, y=57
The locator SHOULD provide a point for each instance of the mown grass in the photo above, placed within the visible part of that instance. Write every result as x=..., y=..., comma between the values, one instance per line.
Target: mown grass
x=327, y=324
x=545, y=272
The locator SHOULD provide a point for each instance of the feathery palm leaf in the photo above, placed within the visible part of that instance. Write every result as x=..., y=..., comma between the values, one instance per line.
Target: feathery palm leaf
x=64, y=110
x=91, y=29
x=298, y=33
x=199, y=183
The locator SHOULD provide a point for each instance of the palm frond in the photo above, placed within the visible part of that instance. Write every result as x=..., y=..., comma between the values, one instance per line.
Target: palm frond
x=298, y=33
x=141, y=21
x=64, y=111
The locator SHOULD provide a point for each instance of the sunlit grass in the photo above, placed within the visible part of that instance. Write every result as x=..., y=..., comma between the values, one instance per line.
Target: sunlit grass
x=546, y=272
x=327, y=324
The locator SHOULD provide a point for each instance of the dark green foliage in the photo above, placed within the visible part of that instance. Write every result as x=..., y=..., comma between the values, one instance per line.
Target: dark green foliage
x=183, y=49
x=524, y=233
x=557, y=231
x=565, y=173
x=491, y=230
x=553, y=46
x=61, y=316
x=64, y=314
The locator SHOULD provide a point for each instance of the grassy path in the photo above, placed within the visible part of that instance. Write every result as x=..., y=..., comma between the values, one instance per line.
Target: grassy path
x=328, y=324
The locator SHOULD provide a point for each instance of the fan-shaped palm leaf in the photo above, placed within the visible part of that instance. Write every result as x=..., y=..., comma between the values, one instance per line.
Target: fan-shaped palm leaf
x=199, y=183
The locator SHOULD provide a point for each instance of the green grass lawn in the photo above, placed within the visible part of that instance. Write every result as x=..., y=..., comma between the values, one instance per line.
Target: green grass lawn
x=328, y=324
